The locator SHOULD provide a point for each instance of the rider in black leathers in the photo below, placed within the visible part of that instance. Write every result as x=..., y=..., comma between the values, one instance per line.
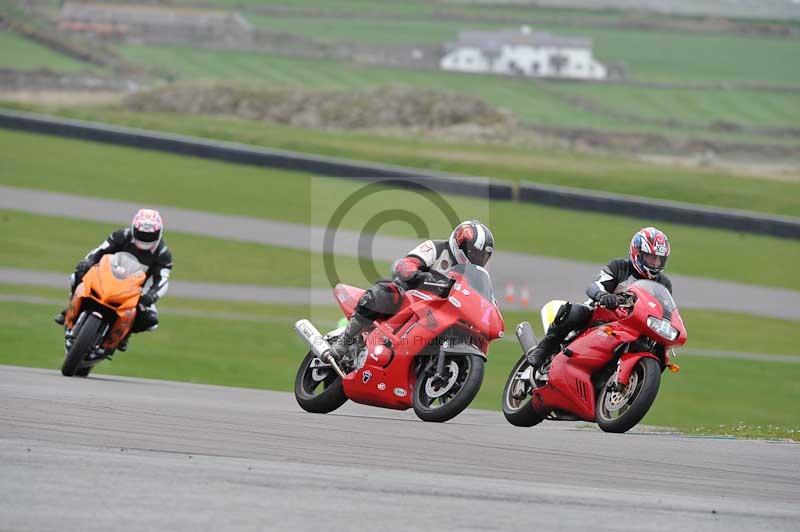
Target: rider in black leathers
x=648, y=255
x=144, y=240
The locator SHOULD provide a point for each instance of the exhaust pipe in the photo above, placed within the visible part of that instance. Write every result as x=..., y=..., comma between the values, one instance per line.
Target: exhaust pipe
x=319, y=346
x=526, y=337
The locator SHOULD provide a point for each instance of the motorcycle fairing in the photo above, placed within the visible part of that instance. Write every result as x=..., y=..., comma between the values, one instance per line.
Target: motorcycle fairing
x=118, y=295
x=389, y=374
x=347, y=297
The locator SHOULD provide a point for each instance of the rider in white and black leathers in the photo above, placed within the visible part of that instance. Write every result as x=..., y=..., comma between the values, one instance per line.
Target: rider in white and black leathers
x=470, y=242
x=144, y=240
x=647, y=258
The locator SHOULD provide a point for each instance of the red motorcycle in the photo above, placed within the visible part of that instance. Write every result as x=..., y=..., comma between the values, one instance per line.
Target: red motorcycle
x=430, y=355
x=609, y=373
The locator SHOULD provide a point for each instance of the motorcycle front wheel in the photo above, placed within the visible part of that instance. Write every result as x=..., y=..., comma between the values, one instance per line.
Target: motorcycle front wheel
x=517, y=407
x=317, y=387
x=441, y=398
x=620, y=411
x=87, y=336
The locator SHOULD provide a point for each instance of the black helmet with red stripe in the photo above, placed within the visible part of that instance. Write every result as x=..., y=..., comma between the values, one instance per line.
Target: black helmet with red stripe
x=649, y=252
x=471, y=242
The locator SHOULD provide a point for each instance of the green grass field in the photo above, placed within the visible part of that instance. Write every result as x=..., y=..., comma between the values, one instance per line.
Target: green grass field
x=648, y=55
x=56, y=244
x=193, y=183
x=523, y=97
x=517, y=163
x=20, y=53
x=700, y=107
x=260, y=350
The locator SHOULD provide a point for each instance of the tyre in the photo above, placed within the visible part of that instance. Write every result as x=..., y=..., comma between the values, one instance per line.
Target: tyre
x=621, y=411
x=440, y=399
x=83, y=372
x=82, y=344
x=517, y=407
x=318, y=390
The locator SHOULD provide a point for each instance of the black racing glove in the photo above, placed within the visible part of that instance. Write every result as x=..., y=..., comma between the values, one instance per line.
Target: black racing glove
x=82, y=267
x=419, y=277
x=610, y=301
x=147, y=299
x=80, y=270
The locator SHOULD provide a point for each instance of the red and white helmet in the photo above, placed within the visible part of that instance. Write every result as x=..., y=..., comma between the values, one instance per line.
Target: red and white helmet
x=649, y=252
x=146, y=229
x=471, y=242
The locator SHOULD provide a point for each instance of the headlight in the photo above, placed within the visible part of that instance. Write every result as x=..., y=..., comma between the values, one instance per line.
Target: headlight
x=662, y=327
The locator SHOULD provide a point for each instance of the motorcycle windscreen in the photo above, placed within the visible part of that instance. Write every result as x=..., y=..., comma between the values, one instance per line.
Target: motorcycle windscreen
x=124, y=265
x=478, y=279
x=660, y=293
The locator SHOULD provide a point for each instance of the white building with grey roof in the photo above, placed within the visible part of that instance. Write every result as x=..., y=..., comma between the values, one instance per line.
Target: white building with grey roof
x=523, y=52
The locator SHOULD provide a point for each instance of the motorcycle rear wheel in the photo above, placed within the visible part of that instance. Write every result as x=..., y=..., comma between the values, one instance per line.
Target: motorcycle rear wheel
x=306, y=392
x=519, y=412
x=620, y=413
x=467, y=382
x=83, y=343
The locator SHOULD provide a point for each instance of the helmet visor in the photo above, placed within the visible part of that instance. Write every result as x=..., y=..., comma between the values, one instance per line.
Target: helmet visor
x=479, y=257
x=146, y=236
x=653, y=262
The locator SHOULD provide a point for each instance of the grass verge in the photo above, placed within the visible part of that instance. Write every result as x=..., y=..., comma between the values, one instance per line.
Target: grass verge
x=706, y=186
x=152, y=177
x=57, y=244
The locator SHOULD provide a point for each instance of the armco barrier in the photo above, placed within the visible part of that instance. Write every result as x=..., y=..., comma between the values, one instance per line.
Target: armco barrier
x=658, y=209
x=570, y=198
x=252, y=155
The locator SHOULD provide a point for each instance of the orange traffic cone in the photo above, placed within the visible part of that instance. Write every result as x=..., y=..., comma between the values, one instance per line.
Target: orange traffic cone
x=510, y=297
x=525, y=296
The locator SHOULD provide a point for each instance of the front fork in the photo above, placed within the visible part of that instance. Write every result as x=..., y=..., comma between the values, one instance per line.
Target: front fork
x=625, y=366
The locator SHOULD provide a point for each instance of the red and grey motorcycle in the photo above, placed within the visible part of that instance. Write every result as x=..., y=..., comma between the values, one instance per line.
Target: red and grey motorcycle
x=430, y=355
x=609, y=373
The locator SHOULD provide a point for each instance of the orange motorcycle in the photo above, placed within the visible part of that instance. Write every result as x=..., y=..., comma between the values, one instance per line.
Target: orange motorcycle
x=101, y=312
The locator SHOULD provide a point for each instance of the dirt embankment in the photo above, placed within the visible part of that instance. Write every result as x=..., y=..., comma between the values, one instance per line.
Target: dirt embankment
x=404, y=111
x=391, y=106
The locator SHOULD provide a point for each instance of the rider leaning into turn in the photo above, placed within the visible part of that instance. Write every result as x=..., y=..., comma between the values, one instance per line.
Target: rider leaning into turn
x=144, y=240
x=470, y=242
x=648, y=255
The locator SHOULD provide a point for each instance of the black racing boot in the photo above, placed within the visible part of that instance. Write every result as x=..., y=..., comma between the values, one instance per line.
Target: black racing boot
x=344, y=345
x=60, y=317
x=123, y=345
x=548, y=346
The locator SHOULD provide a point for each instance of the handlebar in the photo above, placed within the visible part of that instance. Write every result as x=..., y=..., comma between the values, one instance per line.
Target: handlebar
x=628, y=300
x=442, y=289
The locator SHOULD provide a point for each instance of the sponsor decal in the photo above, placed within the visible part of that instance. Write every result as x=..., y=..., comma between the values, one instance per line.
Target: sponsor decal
x=366, y=376
x=426, y=247
x=381, y=386
x=444, y=264
x=421, y=295
x=400, y=392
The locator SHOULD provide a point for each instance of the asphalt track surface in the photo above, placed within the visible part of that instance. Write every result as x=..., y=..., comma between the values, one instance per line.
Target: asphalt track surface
x=548, y=278
x=112, y=453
